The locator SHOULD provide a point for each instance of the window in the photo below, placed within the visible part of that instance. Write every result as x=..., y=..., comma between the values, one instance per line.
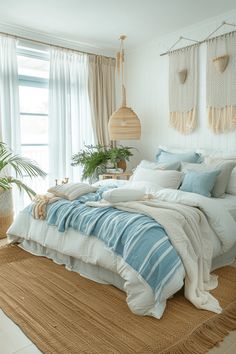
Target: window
x=33, y=75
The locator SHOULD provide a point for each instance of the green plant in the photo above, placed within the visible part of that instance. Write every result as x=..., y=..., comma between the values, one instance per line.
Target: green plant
x=20, y=166
x=94, y=159
x=119, y=153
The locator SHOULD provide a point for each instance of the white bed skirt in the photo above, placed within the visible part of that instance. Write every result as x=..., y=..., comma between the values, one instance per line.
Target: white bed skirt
x=90, y=271
x=97, y=273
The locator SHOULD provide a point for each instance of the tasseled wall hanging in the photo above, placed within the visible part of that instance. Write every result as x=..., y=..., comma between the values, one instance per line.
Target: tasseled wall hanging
x=221, y=83
x=183, y=87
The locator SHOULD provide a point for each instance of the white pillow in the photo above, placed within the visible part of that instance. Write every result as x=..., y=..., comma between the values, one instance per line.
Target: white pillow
x=159, y=166
x=219, y=155
x=71, y=191
x=160, y=178
x=231, y=188
x=145, y=187
x=229, y=157
x=118, y=195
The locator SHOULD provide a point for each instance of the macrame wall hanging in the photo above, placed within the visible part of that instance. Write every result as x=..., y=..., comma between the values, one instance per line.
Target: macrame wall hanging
x=221, y=83
x=183, y=86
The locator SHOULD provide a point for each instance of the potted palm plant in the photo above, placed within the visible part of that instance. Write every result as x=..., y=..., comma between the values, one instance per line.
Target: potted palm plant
x=18, y=166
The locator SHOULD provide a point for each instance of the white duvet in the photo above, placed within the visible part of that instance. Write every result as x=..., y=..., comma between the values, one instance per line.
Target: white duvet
x=140, y=297
x=191, y=221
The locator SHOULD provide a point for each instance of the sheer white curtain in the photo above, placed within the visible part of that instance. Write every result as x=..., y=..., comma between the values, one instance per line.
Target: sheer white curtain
x=9, y=103
x=70, y=125
x=9, y=94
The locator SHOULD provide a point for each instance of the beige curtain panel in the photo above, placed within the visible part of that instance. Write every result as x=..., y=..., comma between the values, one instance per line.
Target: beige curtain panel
x=221, y=83
x=183, y=87
x=101, y=95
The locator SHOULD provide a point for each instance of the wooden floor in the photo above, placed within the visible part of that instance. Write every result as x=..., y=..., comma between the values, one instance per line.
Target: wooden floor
x=13, y=340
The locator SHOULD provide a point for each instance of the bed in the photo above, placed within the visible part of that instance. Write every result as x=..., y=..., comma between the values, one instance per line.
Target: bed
x=192, y=233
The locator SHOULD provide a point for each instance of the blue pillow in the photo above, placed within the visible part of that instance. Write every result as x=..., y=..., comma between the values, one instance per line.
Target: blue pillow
x=199, y=182
x=169, y=157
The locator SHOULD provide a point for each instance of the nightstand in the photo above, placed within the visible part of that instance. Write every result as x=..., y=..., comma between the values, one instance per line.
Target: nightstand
x=124, y=175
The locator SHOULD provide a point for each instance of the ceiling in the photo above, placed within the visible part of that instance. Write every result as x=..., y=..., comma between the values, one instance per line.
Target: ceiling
x=101, y=22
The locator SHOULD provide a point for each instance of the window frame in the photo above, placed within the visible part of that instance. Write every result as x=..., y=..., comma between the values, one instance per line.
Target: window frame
x=33, y=81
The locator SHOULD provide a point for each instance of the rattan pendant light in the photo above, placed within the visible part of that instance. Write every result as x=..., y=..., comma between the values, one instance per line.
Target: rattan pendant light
x=124, y=123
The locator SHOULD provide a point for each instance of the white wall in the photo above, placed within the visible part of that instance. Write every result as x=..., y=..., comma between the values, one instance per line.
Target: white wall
x=147, y=93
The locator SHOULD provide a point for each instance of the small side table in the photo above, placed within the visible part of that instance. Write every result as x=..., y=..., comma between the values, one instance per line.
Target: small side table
x=124, y=175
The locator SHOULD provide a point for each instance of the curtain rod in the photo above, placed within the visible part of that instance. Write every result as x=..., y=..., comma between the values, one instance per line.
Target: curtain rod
x=207, y=39
x=51, y=45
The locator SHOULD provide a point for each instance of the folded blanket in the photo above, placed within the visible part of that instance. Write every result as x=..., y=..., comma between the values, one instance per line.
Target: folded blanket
x=39, y=208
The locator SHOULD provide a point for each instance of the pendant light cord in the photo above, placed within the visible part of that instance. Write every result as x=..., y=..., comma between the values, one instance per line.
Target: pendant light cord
x=122, y=59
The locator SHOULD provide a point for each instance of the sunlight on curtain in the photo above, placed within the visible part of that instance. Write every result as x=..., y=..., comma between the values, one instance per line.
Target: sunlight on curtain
x=70, y=125
x=9, y=94
x=9, y=102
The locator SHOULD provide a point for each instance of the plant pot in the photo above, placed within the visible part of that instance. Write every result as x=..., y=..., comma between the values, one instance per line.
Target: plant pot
x=6, y=211
x=122, y=164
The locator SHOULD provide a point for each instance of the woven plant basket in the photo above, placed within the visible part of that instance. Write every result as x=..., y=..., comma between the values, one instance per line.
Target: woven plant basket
x=6, y=211
x=122, y=164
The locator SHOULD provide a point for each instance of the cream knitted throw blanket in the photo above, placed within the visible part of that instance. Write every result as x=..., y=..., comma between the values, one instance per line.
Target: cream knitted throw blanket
x=39, y=210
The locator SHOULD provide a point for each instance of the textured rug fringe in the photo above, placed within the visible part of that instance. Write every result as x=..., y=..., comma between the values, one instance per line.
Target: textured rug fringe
x=4, y=245
x=208, y=334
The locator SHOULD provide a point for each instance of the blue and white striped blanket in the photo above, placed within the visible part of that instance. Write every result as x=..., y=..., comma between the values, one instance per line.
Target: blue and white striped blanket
x=137, y=238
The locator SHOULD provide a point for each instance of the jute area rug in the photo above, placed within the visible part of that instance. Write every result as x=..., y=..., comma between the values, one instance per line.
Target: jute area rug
x=62, y=312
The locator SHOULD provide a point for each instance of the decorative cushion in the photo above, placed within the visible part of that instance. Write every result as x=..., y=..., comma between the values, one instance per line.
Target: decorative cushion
x=222, y=180
x=170, y=157
x=199, y=182
x=160, y=166
x=223, y=157
x=160, y=178
x=144, y=186
x=231, y=187
x=118, y=195
x=72, y=191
